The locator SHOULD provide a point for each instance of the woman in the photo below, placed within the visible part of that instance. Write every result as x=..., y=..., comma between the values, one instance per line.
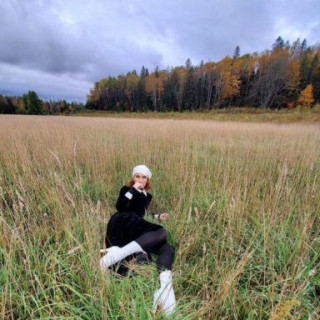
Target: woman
x=128, y=233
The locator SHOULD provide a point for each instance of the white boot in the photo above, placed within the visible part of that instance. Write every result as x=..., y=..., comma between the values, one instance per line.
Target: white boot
x=165, y=295
x=116, y=254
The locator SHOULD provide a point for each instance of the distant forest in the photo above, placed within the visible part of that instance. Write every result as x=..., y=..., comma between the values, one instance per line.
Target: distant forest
x=286, y=76
x=283, y=77
x=30, y=103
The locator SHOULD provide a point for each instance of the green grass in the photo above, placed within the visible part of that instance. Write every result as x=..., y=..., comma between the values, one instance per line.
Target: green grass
x=244, y=212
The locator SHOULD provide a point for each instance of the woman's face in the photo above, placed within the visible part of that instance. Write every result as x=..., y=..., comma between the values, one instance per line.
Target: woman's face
x=141, y=178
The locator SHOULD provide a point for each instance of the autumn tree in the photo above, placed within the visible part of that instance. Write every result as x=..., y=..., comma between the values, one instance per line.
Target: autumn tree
x=154, y=86
x=306, y=96
x=270, y=79
x=276, y=77
x=227, y=82
x=131, y=91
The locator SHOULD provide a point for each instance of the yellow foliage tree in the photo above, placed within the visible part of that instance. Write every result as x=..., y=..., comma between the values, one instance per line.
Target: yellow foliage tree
x=154, y=86
x=306, y=96
x=231, y=86
x=228, y=79
x=131, y=88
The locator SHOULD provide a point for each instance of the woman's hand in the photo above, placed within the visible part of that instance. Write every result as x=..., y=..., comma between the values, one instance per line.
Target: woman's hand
x=164, y=216
x=138, y=185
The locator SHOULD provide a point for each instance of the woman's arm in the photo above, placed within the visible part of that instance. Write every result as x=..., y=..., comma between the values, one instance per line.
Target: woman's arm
x=124, y=199
x=157, y=213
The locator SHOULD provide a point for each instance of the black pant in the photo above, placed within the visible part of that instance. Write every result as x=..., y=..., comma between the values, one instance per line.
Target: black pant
x=156, y=242
x=152, y=242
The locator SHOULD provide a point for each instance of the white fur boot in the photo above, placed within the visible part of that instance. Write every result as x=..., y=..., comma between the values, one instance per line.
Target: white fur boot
x=116, y=254
x=165, y=295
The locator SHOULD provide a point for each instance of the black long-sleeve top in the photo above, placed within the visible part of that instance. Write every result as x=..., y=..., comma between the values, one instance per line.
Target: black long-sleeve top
x=132, y=200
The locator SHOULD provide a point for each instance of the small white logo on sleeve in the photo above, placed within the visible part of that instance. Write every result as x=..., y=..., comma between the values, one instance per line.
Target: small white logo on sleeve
x=128, y=195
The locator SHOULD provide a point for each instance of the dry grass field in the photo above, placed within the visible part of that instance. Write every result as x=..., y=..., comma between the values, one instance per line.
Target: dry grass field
x=299, y=115
x=244, y=204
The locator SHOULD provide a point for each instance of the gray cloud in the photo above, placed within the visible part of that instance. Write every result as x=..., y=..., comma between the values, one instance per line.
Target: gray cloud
x=59, y=48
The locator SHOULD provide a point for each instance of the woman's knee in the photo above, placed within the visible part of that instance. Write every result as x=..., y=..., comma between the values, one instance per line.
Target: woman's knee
x=142, y=258
x=162, y=235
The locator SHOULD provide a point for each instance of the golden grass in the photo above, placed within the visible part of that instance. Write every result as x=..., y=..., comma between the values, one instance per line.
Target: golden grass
x=243, y=198
x=298, y=115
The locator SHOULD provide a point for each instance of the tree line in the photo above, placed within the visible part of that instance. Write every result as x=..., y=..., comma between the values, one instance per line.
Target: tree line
x=285, y=76
x=30, y=103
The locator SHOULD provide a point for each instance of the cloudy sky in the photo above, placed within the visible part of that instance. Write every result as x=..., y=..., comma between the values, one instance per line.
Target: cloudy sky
x=59, y=48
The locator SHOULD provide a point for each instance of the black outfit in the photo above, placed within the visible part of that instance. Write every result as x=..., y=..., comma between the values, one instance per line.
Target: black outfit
x=128, y=224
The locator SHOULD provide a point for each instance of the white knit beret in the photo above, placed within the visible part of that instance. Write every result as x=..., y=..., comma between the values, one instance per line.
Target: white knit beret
x=142, y=169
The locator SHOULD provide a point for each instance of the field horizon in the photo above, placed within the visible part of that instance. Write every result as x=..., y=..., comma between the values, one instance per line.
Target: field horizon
x=296, y=115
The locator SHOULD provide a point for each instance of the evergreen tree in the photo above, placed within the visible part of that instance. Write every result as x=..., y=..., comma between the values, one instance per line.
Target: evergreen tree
x=279, y=43
x=287, y=45
x=143, y=72
x=170, y=89
x=32, y=104
x=188, y=63
x=156, y=71
x=313, y=67
x=315, y=78
x=304, y=46
x=6, y=105
x=305, y=65
x=142, y=94
x=295, y=49
x=236, y=53
x=189, y=91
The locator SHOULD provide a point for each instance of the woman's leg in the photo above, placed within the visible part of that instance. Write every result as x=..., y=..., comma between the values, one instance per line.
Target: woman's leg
x=116, y=254
x=142, y=257
x=165, y=294
x=151, y=239
x=165, y=256
x=145, y=242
